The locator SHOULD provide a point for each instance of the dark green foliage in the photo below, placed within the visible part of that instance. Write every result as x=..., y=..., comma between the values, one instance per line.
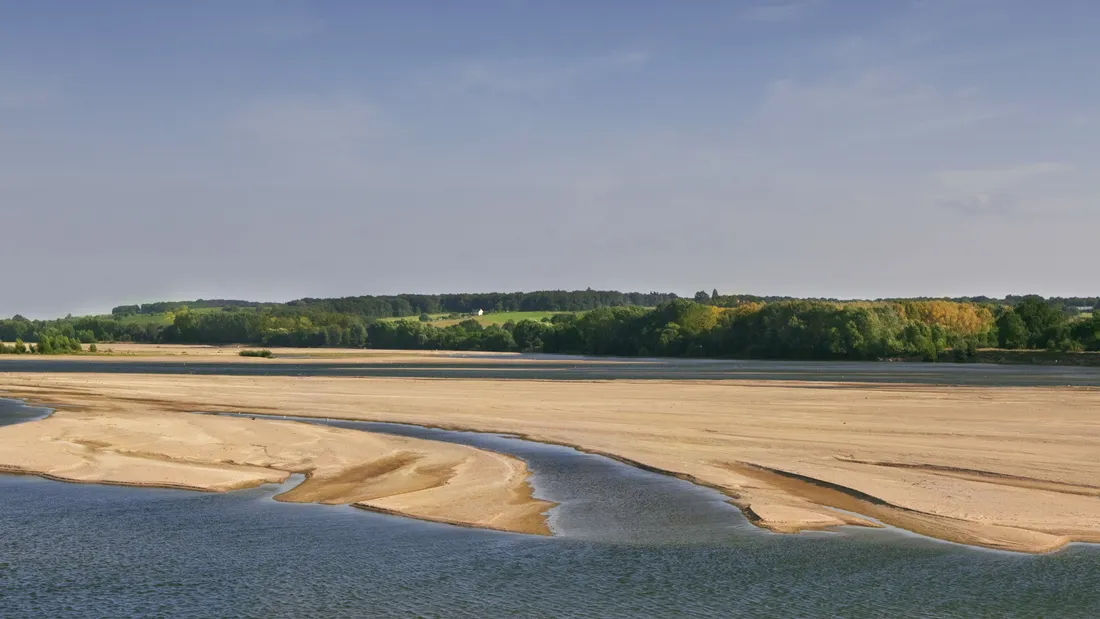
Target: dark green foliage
x=1044, y=322
x=784, y=330
x=733, y=326
x=1011, y=330
x=529, y=335
x=966, y=352
x=1034, y=323
x=57, y=345
x=496, y=338
x=171, y=306
x=265, y=353
x=18, y=348
x=542, y=301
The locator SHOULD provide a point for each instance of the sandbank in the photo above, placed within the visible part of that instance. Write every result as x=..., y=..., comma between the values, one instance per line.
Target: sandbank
x=123, y=442
x=1013, y=468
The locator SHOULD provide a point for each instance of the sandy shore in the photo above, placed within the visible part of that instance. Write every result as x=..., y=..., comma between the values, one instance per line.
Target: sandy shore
x=121, y=441
x=1004, y=467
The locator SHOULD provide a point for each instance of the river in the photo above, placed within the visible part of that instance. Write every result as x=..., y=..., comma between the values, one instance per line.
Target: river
x=557, y=367
x=627, y=543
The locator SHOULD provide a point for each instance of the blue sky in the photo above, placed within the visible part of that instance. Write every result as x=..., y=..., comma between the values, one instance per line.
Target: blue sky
x=274, y=150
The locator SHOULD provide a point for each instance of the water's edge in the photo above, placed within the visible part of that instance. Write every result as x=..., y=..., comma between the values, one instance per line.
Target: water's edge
x=571, y=477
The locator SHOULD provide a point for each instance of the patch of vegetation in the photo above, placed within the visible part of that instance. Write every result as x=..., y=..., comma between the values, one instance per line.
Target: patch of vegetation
x=265, y=353
x=46, y=345
x=495, y=318
x=18, y=348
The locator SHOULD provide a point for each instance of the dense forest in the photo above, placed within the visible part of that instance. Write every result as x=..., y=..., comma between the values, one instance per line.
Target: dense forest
x=602, y=323
x=777, y=330
x=416, y=304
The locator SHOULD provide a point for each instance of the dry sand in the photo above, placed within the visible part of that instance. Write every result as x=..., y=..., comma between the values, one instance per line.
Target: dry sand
x=1004, y=467
x=128, y=442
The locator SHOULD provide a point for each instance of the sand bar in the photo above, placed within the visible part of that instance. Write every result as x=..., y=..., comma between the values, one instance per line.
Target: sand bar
x=120, y=441
x=1015, y=468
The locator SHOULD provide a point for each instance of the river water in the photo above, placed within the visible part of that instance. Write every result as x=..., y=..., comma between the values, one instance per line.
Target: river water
x=555, y=367
x=627, y=543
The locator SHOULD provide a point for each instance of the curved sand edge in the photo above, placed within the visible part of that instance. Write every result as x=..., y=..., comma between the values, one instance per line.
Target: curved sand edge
x=795, y=508
x=1001, y=467
x=423, y=479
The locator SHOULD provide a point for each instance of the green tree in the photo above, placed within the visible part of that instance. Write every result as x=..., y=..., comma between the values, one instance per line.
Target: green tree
x=470, y=325
x=528, y=335
x=1012, y=332
x=357, y=335
x=495, y=338
x=1044, y=322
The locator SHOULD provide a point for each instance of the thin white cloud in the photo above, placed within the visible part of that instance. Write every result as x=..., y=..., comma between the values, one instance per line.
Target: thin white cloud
x=903, y=78
x=780, y=11
x=993, y=179
x=1008, y=190
x=868, y=90
x=874, y=103
x=534, y=76
x=328, y=121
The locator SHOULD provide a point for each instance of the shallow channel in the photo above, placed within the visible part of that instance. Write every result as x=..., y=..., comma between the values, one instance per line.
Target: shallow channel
x=598, y=498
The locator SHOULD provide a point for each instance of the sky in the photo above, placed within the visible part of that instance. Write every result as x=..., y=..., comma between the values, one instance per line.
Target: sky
x=271, y=150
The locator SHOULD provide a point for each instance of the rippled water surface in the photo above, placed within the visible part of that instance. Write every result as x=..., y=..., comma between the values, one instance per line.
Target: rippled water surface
x=103, y=551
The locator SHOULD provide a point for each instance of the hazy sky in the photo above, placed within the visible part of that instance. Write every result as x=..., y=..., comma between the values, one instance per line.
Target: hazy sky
x=275, y=150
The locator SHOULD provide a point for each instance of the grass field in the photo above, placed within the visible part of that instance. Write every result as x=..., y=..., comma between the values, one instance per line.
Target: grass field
x=163, y=319
x=493, y=318
x=438, y=320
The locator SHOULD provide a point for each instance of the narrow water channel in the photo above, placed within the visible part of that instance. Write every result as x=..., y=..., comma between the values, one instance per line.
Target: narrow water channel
x=599, y=498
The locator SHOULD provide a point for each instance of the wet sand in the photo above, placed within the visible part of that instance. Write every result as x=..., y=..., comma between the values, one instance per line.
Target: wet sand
x=1014, y=468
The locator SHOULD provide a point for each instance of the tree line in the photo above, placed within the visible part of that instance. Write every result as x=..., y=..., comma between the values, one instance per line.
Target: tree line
x=778, y=330
x=161, y=307
x=717, y=326
x=821, y=330
x=416, y=304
